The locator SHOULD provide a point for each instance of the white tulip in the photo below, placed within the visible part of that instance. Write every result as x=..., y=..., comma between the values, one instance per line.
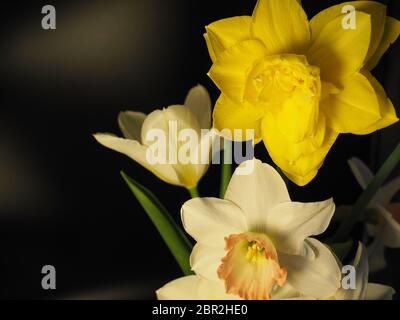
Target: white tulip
x=139, y=130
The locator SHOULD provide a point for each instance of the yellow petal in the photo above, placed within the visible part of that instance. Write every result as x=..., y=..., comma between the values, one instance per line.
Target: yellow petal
x=282, y=25
x=225, y=33
x=229, y=72
x=297, y=118
x=392, y=31
x=210, y=49
x=340, y=52
x=386, y=108
x=229, y=115
x=299, y=161
x=376, y=10
x=353, y=109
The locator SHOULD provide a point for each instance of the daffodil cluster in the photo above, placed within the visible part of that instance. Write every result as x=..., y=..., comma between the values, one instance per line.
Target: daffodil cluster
x=298, y=84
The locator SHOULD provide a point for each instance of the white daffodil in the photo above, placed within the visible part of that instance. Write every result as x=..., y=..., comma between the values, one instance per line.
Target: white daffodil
x=386, y=231
x=194, y=287
x=256, y=240
x=197, y=288
x=141, y=132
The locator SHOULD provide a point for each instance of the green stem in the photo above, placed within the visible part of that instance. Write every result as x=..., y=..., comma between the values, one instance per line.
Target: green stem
x=362, y=202
x=194, y=192
x=226, y=169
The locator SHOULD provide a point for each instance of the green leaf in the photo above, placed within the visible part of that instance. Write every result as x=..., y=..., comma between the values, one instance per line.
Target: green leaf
x=171, y=233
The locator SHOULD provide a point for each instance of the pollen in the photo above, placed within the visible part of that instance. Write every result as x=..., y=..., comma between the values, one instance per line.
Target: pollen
x=254, y=252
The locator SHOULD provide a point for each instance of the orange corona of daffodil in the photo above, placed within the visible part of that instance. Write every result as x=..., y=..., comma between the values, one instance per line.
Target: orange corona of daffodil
x=300, y=83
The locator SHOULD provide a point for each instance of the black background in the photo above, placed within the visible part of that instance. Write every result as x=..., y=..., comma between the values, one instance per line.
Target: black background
x=62, y=201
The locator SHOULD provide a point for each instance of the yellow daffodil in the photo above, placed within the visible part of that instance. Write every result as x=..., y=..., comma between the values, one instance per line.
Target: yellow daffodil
x=257, y=240
x=300, y=83
x=198, y=288
x=137, y=129
x=386, y=228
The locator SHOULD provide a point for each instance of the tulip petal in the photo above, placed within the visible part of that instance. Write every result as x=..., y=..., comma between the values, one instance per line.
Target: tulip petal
x=340, y=52
x=376, y=10
x=137, y=152
x=229, y=72
x=198, y=101
x=244, y=191
x=360, y=264
x=170, y=122
x=180, y=115
x=379, y=292
x=205, y=260
x=390, y=34
x=193, y=288
x=233, y=116
x=282, y=25
x=316, y=274
x=225, y=33
x=209, y=220
x=130, y=123
x=290, y=223
x=355, y=108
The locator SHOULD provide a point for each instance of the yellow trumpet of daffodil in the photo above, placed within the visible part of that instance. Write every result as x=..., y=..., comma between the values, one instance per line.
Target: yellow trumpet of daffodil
x=300, y=83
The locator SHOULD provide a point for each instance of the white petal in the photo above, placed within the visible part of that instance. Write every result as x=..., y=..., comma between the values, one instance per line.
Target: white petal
x=316, y=273
x=193, y=288
x=361, y=172
x=210, y=220
x=137, y=152
x=289, y=223
x=379, y=292
x=389, y=190
x=205, y=260
x=214, y=290
x=376, y=254
x=164, y=119
x=169, y=123
x=205, y=151
x=286, y=292
x=257, y=192
x=198, y=101
x=185, y=288
x=360, y=263
x=390, y=230
x=130, y=123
